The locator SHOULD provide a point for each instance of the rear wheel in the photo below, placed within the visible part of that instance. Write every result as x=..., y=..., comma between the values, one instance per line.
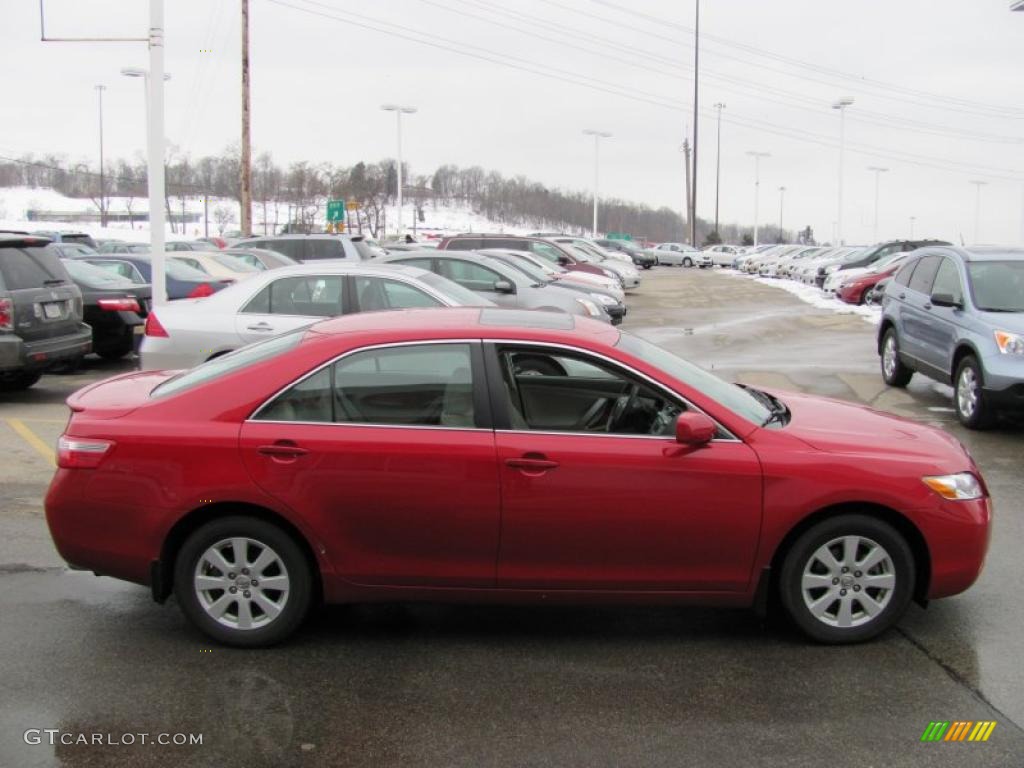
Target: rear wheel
x=117, y=348
x=18, y=380
x=687, y=262
x=243, y=581
x=894, y=372
x=847, y=579
x=973, y=408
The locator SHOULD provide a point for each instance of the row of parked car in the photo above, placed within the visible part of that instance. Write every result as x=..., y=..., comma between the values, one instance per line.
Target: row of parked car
x=262, y=286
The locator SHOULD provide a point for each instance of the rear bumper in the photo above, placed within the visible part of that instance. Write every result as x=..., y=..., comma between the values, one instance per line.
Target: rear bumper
x=19, y=355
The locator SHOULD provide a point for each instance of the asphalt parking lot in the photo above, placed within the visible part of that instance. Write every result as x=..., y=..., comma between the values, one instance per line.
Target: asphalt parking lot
x=446, y=685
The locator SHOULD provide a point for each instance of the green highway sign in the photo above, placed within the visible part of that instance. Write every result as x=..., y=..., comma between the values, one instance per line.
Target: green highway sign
x=619, y=236
x=335, y=210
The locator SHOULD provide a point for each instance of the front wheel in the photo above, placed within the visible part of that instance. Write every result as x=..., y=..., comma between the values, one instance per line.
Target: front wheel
x=847, y=579
x=972, y=405
x=894, y=372
x=687, y=262
x=243, y=581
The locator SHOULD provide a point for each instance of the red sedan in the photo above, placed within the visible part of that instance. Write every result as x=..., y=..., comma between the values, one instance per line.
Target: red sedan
x=504, y=456
x=855, y=290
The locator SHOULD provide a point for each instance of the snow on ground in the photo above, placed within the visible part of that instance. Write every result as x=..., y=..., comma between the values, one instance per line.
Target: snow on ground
x=810, y=294
x=440, y=219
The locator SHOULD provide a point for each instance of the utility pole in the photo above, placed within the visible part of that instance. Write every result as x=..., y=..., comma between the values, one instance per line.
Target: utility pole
x=841, y=105
x=689, y=189
x=598, y=135
x=399, y=111
x=155, y=151
x=912, y=220
x=696, y=122
x=878, y=174
x=757, y=189
x=718, y=163
x=782, y=198
x=103, y=187
x=977, y=210
x=246, y=160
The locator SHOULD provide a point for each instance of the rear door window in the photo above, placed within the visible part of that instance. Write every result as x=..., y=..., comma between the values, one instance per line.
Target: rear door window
x=324, y=249
x=383, y=293
x=924, y=274
x=307, y=296
x=288, y=247
x=475, y=277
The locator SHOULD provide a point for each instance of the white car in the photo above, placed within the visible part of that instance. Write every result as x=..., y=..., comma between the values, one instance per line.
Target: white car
x=187, y=332
x=680, y=254
x=723, y=255
x=222, y=266
x=621, y=266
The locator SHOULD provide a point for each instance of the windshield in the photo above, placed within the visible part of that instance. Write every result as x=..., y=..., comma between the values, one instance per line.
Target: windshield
x=731, y=396
x=460, y=295
x=95, y=277
x=579, y=253
x=535, y=276
x=179, y=270
x=234, y=263
x=887, y=261
x=233, y=361
x=997, y=286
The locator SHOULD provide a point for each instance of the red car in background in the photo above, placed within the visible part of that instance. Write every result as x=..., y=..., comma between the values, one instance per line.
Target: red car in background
x=492, y=455
x=855, y=289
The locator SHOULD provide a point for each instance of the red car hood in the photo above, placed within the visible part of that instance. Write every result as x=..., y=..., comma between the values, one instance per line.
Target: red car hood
x=835, y=426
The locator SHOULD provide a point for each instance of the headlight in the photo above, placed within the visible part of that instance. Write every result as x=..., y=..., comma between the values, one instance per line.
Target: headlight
x=1009, y=343
x=959, y=487
x=605, y=299
x=590, y=307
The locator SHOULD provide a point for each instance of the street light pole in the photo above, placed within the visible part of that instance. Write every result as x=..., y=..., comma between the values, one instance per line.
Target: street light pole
x=155, y=153
x=912, y=220
x=878, y=174
x=103, y=187
x=977, y=210
x=841, y=105
x=757, y=188
x=598, y=135
x=399, y=111
x=718, y=162
x=696, y=120
x=245, y=164
x=782, y=199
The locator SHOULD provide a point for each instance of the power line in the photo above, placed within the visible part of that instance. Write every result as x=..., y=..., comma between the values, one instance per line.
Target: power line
x=544, y=70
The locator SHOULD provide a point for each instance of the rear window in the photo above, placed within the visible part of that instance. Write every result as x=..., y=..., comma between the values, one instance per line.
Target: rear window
x=23, y=268
x=466, y=244
x=95, y=277
x=324, y=249
x=229, y=363
x=365, y=251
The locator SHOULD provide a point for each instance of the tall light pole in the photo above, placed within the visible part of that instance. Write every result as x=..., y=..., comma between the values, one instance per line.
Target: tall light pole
x=103, y=187
x=245, y=163
x=696, y=120
x=757, y=188
x=782, y=200
x=598, y=135
x=155, y=151
x=912, y=220
x=841, y=105
x=878, y=174
x=977, y=210
x=718, y=161
x=399, y=111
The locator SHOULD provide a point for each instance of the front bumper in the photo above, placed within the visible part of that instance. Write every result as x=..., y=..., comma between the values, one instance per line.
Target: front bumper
x=1003, y=377
x=19, y=355
x=957, y=535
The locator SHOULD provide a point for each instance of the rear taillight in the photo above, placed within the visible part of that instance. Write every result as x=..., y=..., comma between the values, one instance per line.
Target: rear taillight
x=153, y=327
x=200, y=291
x=119, y=305
x=81, y=453
x=6, y=315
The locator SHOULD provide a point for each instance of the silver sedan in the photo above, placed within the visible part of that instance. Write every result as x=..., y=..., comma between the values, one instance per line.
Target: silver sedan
x=186, y=332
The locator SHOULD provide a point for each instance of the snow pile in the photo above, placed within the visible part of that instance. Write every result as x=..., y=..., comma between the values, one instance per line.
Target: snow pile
x=814, y=296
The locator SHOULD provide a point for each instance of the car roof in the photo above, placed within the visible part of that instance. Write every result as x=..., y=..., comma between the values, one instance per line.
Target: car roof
x=472, y=322
x=11, y=240
x=316, y=236
x=331, y=267
x=983, y=252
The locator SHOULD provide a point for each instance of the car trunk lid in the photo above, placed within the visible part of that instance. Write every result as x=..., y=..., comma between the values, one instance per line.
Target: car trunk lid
x=117, y=396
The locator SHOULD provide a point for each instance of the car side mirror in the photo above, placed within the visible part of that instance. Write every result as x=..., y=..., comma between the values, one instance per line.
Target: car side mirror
x=504, y=286
x=694, y=428
x=946, y=300
x=563, y=260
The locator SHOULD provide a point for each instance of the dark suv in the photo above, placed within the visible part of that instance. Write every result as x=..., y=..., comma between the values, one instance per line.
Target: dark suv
x=639, y=256
x=540, y=246
x=40, y=312
x=870, y=255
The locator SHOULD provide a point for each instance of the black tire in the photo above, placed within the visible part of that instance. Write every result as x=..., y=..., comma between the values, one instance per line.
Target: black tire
x=898, y=374
x=899, y=566
x=18, y=380
x=295, y=605
x=976, y=414
x=117, y=349
x=687, y=262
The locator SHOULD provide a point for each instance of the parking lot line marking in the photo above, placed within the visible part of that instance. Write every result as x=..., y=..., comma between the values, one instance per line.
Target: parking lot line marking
x=45, y=421
x=32, y=439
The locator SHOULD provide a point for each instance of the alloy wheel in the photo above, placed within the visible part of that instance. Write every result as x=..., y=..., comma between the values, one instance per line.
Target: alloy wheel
x=848, y=581
x=967, y=392
x=241, y=583
x=889, y=357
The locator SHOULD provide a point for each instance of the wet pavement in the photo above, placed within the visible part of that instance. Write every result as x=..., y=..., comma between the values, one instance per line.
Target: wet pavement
x=429, y=685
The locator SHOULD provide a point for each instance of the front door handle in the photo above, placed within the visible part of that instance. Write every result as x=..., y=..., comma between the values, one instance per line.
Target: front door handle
x=903, y=295
x=282, y=450
x=531, y=465
x=260, y=327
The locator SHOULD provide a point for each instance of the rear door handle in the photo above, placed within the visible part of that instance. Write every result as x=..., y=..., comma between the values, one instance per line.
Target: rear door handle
x=282, y=451
x=532, y=464
x=260, y=327
x=903, y=295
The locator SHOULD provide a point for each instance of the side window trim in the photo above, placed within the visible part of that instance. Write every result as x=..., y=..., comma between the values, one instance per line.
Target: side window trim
x=499, y=397
x=482, y=414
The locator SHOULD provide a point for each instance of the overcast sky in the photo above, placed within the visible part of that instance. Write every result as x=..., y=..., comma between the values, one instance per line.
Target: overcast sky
x=937, y=84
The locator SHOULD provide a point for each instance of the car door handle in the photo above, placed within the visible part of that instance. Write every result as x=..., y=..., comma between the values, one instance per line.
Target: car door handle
x=903, y=295
x=927, y=305
x=260, y=327
x=282, y=450
x=531, y=465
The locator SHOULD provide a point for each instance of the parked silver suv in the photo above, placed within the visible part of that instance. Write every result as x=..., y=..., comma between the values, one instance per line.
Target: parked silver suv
x=957, y=315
